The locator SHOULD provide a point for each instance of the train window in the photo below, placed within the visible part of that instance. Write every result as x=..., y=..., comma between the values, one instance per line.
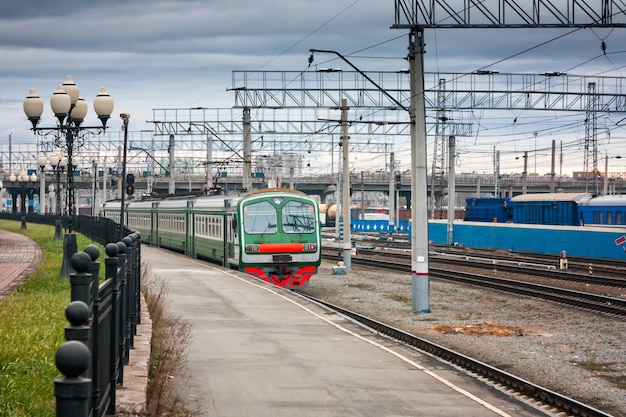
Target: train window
x=618, y=217
x=609, y=217
x=298, y=217
x=260, y=218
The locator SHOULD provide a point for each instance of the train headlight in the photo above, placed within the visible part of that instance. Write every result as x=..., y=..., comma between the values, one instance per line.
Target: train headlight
x=310, y=247
x=252, y=248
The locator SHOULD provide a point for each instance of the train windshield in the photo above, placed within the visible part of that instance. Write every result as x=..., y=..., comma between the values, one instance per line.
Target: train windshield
x=298, y=217
x=260, y=218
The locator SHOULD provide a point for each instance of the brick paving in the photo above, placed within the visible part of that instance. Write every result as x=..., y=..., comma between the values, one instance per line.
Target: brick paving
x=20, y=256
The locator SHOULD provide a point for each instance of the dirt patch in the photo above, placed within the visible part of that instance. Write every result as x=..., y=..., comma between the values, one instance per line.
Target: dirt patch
x=480, y=329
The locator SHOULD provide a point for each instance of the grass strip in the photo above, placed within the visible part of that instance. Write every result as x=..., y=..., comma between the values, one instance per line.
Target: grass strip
x=32, y=322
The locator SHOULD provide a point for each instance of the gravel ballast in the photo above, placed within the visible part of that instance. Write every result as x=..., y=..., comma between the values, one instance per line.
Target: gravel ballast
x=577, y=353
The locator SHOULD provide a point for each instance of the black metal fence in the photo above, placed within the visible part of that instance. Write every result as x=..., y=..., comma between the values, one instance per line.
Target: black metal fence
x=103, y=321
x=102, y=316
x=99, y=229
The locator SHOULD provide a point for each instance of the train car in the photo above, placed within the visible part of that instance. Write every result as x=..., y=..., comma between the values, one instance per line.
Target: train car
x=272, y=234
x=608, y=210
x=494, y=209
x=556, y=209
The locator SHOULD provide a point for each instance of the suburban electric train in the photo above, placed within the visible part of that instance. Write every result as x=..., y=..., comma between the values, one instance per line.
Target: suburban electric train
x=272, y=234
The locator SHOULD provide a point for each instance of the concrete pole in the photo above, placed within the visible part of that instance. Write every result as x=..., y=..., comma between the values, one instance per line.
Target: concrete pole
x=525, y=173
x=362, y=198
x=419, y=184
x=172, y=180
x=94, y=196
x=345, y=192
x=451, y=188
x=552, y=169
x=246, y=180
x=496, y=159
x=392, y=194
x=209, y=162
x=42, y=192
x=606, y=174
x=338, y=203
x=104, y=184
x=119, y=167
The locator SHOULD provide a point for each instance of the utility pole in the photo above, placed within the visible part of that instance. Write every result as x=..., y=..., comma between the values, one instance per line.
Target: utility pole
x=392, y=193
x=345, y=192
x=209, y=164
x=525, y=173
x=246, y=180
x=451, y=188
x=125, y=117
x=419, y=182
x=172, y=180
x=552, y=173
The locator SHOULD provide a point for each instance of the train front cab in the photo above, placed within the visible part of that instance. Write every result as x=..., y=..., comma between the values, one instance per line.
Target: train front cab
x=279, y=238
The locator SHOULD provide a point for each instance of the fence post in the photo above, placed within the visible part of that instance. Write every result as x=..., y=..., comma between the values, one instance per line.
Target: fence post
x=72, y=392
x=94, y=270
x=77, y=313
x=112, y=272
x=137, y=270
x=123, y=300
x=81, y=279
x=133, y=288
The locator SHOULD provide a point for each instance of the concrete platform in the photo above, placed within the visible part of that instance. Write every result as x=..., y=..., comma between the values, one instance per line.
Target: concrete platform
x=258, y=350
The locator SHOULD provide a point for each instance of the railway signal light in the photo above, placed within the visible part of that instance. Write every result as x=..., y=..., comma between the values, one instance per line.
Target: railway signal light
x=398, y=181
x=130, y=184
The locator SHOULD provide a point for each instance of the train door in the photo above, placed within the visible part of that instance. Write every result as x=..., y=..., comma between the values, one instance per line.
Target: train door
x=154, y=226
x=190, y=230
x=231, y=239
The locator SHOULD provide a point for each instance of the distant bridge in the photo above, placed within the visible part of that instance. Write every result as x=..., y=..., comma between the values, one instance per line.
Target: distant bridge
x=322, y=185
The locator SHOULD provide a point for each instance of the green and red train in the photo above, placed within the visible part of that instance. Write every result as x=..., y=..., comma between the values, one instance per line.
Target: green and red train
x=272, y=234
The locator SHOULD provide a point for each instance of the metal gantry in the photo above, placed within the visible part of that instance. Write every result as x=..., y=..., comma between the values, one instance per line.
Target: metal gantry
x=488, y=90
x=509, y=13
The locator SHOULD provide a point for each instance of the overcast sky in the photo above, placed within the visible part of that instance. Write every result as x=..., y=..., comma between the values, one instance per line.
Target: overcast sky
x=180, y=54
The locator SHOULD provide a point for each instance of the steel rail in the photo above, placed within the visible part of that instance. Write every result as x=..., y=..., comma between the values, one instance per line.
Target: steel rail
x=521, y=386
x=594, y=302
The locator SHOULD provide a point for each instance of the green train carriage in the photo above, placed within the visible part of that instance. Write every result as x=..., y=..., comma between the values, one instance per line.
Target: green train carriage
x=272, y=234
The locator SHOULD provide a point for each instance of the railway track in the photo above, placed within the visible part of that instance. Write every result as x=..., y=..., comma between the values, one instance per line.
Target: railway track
x=594, y=302
x=610, y=268
x=531, y=266
x=540, y=396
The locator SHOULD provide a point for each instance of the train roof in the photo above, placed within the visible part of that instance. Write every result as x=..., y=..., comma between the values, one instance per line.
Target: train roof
x=216, y=202
x=608, y=200
x=140, y=204
x=528, y=198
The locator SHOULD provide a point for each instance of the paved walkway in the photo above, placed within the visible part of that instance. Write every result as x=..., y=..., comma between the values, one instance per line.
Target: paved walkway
x=20, y=256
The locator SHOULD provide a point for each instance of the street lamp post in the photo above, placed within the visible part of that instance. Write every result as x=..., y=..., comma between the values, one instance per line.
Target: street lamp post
x=42, y=161
x=23, y=179
x=58, y=162
x=70, y=109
